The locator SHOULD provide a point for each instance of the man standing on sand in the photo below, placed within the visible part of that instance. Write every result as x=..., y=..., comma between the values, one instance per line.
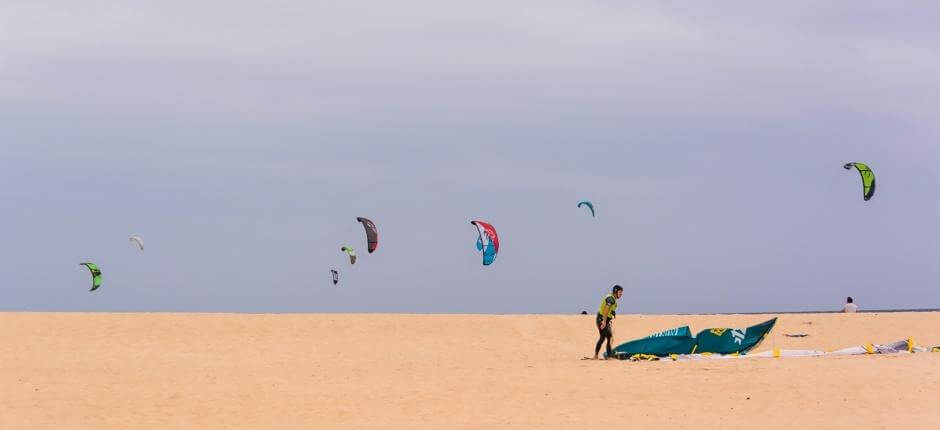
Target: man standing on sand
x=605, y=315
x=849, y=308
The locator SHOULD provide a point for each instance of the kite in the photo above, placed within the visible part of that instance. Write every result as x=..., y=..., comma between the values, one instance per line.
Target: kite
x=868, y=178
x=335, y=276
x=95, y=275
x=351, y=253
x=488, y=242
x=137, y=240
x=589, y=206
x=372, y=234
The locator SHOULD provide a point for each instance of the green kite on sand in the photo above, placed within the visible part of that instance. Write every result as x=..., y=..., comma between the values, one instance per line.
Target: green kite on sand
x=711, y=340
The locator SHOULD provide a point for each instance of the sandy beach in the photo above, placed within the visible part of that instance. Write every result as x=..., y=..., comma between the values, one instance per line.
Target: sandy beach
x=166, y=370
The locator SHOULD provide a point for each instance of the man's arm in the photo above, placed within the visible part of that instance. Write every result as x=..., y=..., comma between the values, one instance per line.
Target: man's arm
x=606, y=311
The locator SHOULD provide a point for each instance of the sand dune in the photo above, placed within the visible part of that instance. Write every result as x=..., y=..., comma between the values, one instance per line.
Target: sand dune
x=102, y=370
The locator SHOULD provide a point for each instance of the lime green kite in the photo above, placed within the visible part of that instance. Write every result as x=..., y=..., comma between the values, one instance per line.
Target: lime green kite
x=351, y=253
x=868, y=178
x=95, y=275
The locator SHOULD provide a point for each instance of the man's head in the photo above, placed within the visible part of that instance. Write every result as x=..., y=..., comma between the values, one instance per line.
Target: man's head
x=848, y=299
x=618, y=291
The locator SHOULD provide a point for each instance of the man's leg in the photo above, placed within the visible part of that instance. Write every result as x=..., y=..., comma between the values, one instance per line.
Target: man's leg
x=609, y=339
x=605, y=336
x=597, y=348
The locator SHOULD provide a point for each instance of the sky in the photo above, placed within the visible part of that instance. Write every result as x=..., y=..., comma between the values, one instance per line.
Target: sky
x=241, y=140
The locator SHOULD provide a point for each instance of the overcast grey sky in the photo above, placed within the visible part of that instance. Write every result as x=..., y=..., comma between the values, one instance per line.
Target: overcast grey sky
x=242, y=139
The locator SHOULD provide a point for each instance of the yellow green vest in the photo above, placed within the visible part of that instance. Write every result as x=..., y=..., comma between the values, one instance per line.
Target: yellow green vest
x=606, y=310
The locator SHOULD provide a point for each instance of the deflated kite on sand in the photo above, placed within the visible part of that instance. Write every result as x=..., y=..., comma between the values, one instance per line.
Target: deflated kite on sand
x=711, y=340
x=678, y=344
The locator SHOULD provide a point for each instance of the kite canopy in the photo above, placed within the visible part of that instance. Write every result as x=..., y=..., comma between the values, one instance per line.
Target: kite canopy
x=335, y=276
x=137, y=240
x=372, y=234
x=351, y=253
x=589, y=206
x=488, y=241
x=868, y=178
x=95, y=275
x=679, y=340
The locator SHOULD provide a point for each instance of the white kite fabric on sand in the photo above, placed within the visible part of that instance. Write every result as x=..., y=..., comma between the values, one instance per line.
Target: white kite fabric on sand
x=906, y=346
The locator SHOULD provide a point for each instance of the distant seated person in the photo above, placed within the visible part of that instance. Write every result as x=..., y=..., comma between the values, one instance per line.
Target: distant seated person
x=849, y=306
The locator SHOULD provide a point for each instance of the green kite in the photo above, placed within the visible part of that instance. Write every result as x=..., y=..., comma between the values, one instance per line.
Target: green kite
x=351, y=253
x=868, y=178
x=95, y=275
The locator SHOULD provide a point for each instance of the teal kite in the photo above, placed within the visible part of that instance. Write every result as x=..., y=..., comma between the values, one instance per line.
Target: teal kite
x=488, y=242
x=589, y=206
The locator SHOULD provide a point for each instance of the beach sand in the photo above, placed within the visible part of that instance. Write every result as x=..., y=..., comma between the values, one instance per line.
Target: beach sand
x=287, y=371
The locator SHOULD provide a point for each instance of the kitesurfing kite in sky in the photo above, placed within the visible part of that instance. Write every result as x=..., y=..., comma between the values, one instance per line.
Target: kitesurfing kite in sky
x=335, y=276
x=868, y=178
x=137, y=240
x=351, y=253
x=589, y=206
x=488, y=241
x=372, y=234
x=95, y=275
